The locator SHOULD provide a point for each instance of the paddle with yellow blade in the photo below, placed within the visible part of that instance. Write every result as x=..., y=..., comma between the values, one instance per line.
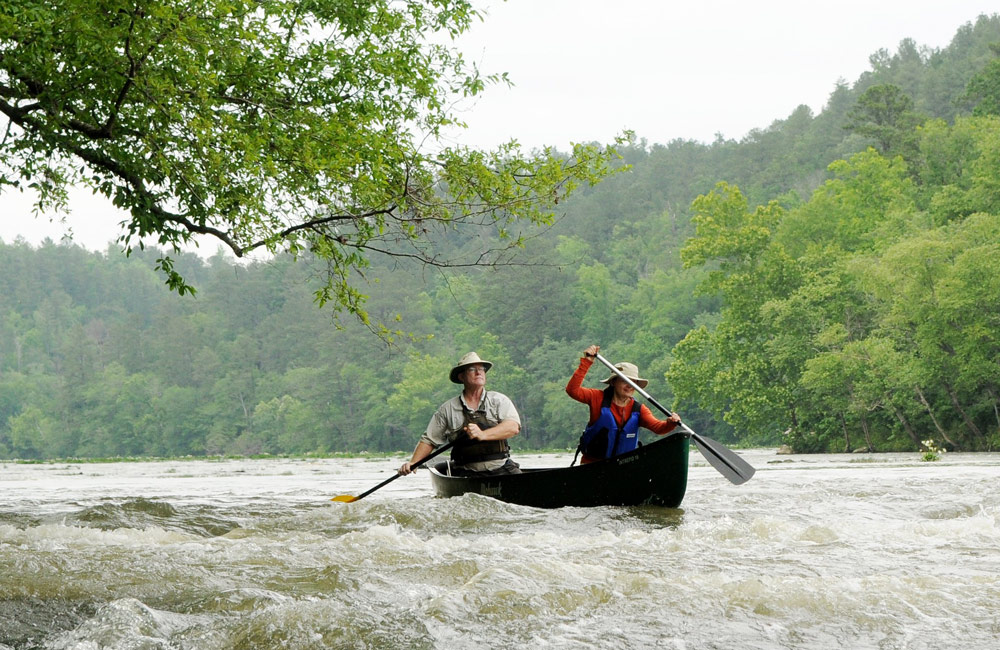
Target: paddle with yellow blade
x=726, y=461
x=347, y=498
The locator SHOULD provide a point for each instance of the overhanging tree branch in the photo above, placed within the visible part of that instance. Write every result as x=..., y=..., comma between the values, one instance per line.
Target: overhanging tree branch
x=280, y=126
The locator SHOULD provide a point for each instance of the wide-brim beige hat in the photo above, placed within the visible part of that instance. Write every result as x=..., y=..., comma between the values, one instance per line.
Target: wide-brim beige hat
x=629, y=370
x=469, y=359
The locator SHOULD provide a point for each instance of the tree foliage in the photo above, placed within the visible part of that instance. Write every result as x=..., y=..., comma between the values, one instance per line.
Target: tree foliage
x=884, y=114
x=796, y=286
x=875, y=327
x=269, y=124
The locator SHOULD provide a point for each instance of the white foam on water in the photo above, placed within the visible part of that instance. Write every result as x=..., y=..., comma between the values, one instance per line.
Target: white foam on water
x=818, y=553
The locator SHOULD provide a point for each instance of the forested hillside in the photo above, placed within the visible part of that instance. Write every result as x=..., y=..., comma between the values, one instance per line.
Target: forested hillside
x=831, y=281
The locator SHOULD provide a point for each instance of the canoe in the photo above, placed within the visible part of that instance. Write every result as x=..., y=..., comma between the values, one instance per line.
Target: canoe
x=654, y=474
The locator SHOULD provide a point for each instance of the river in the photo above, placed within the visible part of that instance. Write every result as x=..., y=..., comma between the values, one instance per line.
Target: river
x=840, y=552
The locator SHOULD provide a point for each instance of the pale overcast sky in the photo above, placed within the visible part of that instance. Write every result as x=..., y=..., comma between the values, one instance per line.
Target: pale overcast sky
x=585, y=70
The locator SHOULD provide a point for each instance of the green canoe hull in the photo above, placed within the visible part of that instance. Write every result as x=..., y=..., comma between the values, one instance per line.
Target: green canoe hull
x=653, y=474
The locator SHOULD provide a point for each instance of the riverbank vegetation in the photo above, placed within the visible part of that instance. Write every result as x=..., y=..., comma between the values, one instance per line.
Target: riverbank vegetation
x=830, y=282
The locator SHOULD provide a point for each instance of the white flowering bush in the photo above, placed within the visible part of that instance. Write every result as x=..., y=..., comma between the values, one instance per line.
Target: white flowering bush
x=933, y=452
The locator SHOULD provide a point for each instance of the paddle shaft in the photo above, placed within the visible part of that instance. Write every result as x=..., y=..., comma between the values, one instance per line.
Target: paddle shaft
x=439, y=450
x=728, y=463
x=638, y=389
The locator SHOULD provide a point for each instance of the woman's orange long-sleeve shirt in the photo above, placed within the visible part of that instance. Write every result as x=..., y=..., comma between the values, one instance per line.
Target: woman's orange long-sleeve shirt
x=595, y=398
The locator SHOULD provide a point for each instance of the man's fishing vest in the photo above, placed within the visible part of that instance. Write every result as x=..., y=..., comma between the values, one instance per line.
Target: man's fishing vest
x=604, y=438
x=467, y=450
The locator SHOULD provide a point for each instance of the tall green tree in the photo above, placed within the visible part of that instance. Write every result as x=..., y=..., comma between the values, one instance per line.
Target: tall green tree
x=868, y=203
x=885, y=114
x=729, y=367
x=983, y=90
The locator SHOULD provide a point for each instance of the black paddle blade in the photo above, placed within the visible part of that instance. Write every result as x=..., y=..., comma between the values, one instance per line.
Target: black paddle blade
x=728, y=462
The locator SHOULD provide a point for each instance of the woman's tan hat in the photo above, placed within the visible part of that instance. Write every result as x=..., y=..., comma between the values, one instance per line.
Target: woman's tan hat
x=630, y=371
x=469, y=359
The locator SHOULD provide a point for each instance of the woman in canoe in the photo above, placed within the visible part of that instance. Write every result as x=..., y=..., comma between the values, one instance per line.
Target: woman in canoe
x=615, y=416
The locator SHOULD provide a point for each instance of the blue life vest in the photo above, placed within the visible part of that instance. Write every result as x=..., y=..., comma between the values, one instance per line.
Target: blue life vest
x=604, y=438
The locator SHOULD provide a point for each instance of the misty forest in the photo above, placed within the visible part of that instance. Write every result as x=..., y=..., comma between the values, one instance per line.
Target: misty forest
x=830, y=281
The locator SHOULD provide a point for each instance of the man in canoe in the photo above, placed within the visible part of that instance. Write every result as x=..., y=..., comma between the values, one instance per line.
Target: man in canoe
x=479, y=421
x=615, y=416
